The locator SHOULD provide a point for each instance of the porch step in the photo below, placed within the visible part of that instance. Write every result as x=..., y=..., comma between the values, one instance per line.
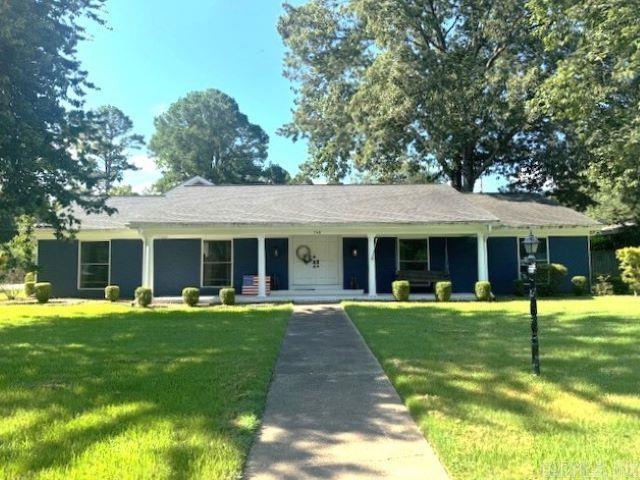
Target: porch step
x=316, y=293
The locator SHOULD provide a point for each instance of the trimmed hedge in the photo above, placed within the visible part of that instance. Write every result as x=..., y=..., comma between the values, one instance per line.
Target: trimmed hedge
x=580, y=285
x=191, y=296
x=443, y=291
x=42, y=291
x=112, y=293
x=29, y=288
x=549, y=277
x=483, y=291
x=401, y=289
x=144, y=296
x=227, y=296
x=518, y=287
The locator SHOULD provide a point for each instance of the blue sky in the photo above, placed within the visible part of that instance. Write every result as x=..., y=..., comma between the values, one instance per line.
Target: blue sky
x=155, y=51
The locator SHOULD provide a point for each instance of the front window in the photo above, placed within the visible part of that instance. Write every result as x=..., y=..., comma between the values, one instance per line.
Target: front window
x=413, y=254
x=216, y=263
x=94, y=264
x=542, y=255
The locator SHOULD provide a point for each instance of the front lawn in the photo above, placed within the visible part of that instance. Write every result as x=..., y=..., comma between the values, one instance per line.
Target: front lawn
x=96, y=390
x=463, y=371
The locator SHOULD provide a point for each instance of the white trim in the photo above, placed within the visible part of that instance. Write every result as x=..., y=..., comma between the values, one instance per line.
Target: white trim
x=262, y=266
x=79, y=270
x=483, y=257
x=202, y=240
x=589, y=255
x=371, y=261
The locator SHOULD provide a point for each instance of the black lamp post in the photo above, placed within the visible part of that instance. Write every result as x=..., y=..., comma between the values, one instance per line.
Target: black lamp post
x=531, y=247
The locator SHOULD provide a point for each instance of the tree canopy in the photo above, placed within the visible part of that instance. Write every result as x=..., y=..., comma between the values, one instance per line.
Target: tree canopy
x=109, y=144
x=206, y=134
x=41, y=88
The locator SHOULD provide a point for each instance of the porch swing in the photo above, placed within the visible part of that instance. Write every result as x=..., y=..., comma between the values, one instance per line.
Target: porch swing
x=427, y=278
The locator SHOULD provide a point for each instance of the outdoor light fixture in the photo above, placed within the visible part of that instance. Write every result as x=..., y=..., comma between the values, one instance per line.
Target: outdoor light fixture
x=276, y=252
x=531, y=247
x=354, y=252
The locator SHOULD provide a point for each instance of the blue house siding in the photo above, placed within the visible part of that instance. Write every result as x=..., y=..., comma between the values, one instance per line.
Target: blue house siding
x=573, y=253
x=385, y=263
x=355, y=269
x=277, y=267
x=463, y=263
x=503, y=263
x=58, y=264
x=126, y=266
x=176, y=265
x=245, y=260
x=437, y=255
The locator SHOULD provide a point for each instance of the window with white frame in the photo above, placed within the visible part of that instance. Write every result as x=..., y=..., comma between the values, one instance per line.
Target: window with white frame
x=542, y=255
x=413, y=254
x=216, y=263
x=94, y=264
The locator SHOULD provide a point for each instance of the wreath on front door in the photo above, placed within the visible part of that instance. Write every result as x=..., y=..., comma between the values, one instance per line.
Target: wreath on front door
x=303, y=252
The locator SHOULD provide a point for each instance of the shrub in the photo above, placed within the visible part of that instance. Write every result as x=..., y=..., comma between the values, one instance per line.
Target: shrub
x=618, y=285
x=549, y=278
x=580, y=285
x=603, y=286
x=29, y=288
x=400, y=289
x=629, y=258
x=443, y=291
x=29, y=277
x=191, y=296
x=112, y=293
x=42, y=291
x=227, y=296
x=483, y=291
x=144, y=296
x=518, y=287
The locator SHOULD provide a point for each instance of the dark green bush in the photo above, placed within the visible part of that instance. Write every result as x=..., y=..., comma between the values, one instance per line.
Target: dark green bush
x=580, y=285
x=112, y=293
x=400, y=289
x=29, y=288
x=144, y=296
x=549, y=278
x=483, y=291
x=191, y=296
x=42, y=291
x=518, y=287
x=29, y=277
x=228, y=296
x=618, y=285
x=443, y=291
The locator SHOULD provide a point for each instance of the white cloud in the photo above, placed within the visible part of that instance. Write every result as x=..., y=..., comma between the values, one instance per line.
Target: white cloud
x=144, y=162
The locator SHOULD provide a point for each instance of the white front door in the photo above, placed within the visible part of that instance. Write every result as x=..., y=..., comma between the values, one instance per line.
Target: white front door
x=323, y=269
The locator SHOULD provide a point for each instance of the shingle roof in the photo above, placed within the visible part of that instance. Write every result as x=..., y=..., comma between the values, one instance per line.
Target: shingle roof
x=323, y=205
x=529, y=210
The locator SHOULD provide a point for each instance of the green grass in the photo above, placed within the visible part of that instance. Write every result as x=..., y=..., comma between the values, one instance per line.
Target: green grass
x=98, y=390
x=463, y=371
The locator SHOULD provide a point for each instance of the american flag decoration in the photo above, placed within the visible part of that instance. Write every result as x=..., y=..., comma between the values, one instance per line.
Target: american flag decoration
x=250, y=285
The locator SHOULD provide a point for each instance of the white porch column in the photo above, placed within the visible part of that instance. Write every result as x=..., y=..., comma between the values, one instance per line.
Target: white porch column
x=371, y=256
x=147, y=262
x=262, y=267
x=483, y=263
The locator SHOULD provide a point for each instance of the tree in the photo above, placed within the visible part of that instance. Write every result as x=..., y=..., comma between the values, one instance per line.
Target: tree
x=124, y=190
x=41, y=88
x=596, y=91
x=18, y=255
x=434, y=88
x=109, y=144
x=205, y=134
x=275, y=175
x=301, y=178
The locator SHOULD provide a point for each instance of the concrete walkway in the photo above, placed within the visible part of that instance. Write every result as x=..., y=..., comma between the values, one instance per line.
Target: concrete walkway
x=331, y=411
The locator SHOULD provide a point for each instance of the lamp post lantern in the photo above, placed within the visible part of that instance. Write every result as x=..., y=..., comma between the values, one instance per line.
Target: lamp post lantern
x=531, y=247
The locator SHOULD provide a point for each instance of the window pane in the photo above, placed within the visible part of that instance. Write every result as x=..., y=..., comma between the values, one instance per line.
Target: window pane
x=94, y=252
x=217, y=274
x=94, y=276
x=217, y=251
x=415, y=250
